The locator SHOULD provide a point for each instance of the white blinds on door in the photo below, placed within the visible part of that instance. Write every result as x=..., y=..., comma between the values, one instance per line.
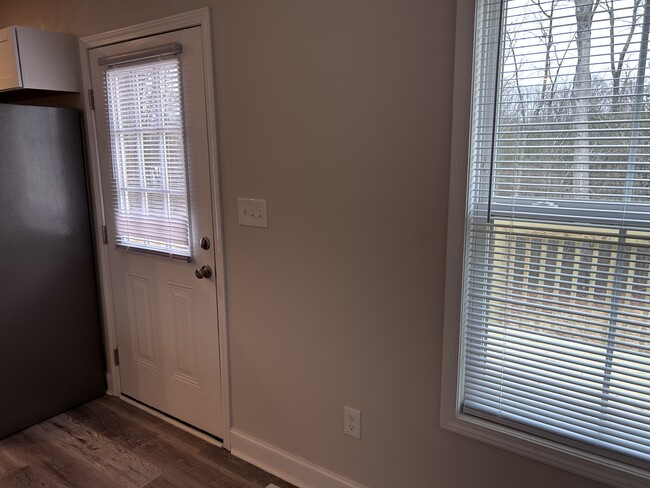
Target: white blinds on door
x=145, y=117
x=556, y=299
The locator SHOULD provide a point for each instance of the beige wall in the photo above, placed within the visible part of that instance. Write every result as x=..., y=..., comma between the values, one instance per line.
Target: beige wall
x=337, y=112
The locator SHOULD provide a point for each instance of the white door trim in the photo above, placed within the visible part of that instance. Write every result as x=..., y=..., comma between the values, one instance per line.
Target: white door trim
x=194, y=18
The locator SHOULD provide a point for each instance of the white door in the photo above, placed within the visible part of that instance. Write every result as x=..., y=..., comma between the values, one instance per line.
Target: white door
x=150, y=115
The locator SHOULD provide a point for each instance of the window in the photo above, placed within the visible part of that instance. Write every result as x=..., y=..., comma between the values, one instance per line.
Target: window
x=553, y=349
x=144, y=108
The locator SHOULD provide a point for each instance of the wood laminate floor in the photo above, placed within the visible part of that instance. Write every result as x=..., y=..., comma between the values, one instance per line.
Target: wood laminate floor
x=108, y=443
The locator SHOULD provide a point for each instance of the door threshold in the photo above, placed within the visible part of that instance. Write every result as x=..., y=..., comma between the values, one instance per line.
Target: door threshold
x=173, y=421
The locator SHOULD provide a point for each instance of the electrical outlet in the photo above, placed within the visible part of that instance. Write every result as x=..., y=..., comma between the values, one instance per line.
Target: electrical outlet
x=252, y=212
x=352, y=422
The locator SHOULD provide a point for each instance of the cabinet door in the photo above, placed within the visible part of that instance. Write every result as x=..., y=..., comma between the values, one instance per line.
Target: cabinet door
x=38, y=60
x=9, y=70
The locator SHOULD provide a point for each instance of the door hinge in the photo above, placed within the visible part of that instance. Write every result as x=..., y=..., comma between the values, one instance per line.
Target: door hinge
x=104, y=234
x=91, y=99
x=116, y=357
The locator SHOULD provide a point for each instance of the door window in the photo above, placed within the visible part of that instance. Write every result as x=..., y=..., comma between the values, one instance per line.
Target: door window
x=149, y=171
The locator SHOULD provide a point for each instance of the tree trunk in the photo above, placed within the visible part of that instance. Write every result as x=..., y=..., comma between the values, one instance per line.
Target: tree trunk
x=616, y=66
x=581, y=97
x=638, y=104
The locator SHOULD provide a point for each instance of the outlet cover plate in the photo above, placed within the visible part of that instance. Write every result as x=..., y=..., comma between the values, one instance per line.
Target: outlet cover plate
x=352, y=422
x=252, y=212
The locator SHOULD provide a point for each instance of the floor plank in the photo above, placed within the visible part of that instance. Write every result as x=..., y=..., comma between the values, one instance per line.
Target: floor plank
x=122, y=430
x=9, y=463
x=29, y=477
x=238, y=468
x=158, y=427
x=94, y=450
x=191, y=470
x=109, y=443
x=38, y=448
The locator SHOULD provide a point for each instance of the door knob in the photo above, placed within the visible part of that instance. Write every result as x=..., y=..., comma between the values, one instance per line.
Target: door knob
x=204, y=271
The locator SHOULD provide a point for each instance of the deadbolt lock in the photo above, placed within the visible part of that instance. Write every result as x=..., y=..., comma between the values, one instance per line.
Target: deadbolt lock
x=205, y=243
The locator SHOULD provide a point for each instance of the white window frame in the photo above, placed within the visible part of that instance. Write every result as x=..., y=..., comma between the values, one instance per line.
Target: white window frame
x=452, y=418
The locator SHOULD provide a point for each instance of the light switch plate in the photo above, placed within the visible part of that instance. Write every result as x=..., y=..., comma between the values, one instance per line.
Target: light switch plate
x=252, y=212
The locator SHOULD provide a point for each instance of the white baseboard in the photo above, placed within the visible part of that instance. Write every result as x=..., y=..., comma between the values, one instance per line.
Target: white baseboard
x=291, y=468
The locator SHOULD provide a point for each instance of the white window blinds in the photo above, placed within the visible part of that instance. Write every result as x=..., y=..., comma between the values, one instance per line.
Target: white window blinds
x=145, y=117
x=556, y=296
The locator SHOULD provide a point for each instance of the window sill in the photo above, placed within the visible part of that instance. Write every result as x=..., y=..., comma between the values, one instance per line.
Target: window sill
x=559, y=455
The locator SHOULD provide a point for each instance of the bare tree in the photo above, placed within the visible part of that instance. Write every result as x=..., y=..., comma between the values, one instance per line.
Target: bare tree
x=617, y=62
x=513, y=54
x=585, y=10
x=546, y=36
x=638, y=101
x=521, y=104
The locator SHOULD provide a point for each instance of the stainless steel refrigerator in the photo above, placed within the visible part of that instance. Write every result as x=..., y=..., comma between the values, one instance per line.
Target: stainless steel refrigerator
x=50, y=342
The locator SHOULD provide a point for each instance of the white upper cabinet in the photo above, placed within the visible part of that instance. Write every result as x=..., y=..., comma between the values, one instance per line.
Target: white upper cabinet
x=37, y=59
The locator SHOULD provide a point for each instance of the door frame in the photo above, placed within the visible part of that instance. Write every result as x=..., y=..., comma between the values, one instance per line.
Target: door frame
x=195, y=18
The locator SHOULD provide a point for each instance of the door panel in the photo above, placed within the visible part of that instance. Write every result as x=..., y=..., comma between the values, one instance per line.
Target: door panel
x=166, y=318
x=143, y=338
x=181, y=313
